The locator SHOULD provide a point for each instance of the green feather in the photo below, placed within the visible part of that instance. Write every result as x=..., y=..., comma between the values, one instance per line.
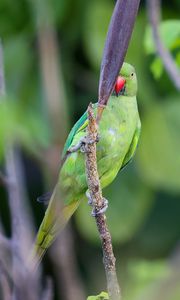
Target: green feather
x=78, y=126
x=133, y=146
x=73, y=131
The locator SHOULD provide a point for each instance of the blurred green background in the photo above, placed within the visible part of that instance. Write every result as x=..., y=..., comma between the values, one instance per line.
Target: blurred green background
x=144, y=210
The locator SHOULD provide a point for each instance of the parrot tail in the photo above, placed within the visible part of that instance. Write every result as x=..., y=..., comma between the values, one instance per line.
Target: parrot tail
x=55, y=219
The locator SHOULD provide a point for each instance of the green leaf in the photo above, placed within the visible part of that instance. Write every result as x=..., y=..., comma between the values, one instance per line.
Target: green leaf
x=178, y=59
x=102, y=296
x=157, y=67
x=157, y=280
x=170, y=34
x=141, y=275
x=146, y=271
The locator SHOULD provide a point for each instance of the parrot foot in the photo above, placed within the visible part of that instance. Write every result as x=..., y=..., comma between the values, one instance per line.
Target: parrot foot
x=86, y=141
x=82, y=144
x=90, y=201
x=96, y=212
x=76, y=147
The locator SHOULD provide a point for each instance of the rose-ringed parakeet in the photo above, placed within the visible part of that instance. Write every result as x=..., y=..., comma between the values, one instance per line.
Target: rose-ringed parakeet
x=119, y=131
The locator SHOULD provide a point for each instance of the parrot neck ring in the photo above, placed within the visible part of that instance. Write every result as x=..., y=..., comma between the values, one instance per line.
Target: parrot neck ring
x=119, y=87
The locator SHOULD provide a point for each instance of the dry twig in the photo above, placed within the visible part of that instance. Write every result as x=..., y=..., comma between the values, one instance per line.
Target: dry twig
x=97, y=198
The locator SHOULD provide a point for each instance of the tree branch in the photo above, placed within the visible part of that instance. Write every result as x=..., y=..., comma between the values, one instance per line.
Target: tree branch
x=20, y=216
x=4, y=281
x=48, y=293
x=154, y=13
x=3, y=179
x=97, y=198
x=5, y=242
x=62, y=253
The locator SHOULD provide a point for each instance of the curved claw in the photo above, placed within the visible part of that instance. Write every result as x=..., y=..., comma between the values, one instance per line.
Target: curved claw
x=81, y=145
x=102, y=210
x=90, y=202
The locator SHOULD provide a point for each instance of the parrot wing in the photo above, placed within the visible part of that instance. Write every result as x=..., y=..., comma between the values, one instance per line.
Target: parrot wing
x=57, y=215
x=133, y=146
x=80, y=124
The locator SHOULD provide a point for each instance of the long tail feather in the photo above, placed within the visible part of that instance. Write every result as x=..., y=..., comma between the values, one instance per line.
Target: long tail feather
x=55, y=219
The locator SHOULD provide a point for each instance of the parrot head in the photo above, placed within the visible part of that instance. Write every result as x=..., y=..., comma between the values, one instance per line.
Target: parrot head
x=126, y=83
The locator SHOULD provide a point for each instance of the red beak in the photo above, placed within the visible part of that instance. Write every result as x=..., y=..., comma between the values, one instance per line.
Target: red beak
x=120, y=82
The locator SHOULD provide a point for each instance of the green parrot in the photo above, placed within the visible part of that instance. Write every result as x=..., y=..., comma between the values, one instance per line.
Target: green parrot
x=119, y=130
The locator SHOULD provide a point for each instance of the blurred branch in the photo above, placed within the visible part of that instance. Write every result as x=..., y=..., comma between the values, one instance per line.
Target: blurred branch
x=97, y=198
x=52, y=80
x=3, y=179
x=64, y=246
x=5, y=242
x=64, y=251
x=48, y=293
x=5, y=254
x=21, y=222
x=154, y=13
x=4, y=283
x=49, y=52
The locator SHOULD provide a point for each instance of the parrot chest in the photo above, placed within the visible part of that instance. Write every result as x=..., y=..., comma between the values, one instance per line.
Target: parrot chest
x=116, y=132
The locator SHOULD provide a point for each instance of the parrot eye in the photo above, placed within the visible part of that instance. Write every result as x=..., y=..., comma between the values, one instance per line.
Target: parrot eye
x=132, y=74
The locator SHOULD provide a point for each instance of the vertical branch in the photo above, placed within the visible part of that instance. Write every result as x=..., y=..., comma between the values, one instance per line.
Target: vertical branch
x=3, y=179
x=21, y=221
x=154, y=13
x=62, y=253
x=4, y=284
x=20, y=217
x=48, y=292
x=55, y=96
x=96, y=195
x=5, y=270
x=52, y=80
x=5, y=242
x=67, y=267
